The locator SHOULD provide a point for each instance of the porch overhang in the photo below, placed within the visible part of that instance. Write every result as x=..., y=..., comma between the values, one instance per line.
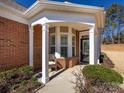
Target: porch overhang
x=43, y=5
x=45, y=20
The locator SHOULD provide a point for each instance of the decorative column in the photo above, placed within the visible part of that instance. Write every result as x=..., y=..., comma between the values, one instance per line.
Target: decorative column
x=57, y=53
x=31, y=46
x=92, y=50
x=45, y=48
x=99, y=44
x=70, y=42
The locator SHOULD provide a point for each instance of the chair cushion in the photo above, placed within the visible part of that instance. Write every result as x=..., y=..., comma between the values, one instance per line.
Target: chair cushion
x=52, y=63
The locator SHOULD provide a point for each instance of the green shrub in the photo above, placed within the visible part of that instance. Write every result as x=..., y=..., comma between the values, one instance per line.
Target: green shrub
x=101, y=73
x=26, y=69
x=35, y=82
x=8, y=74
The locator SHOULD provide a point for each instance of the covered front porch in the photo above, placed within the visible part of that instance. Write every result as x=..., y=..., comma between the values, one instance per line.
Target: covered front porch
x=64, y=41
x=69, y=32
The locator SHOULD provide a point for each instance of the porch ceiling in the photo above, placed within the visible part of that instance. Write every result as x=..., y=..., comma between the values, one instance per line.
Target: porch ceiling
x=74, y=25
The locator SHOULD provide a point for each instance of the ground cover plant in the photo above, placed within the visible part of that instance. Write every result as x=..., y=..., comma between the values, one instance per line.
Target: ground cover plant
x=18, y=80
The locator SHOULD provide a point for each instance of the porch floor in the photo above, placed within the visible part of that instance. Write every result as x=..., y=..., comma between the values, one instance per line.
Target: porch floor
x=61, y=83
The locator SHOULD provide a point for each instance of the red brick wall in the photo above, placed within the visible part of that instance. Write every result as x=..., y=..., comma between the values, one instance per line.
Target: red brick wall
x=14, y=43
x=72, y=61
x=37, y=47
x=67, y=62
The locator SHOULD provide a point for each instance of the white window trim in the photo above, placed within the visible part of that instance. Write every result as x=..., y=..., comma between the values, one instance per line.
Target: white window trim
x=57, y=50
x=63, y=33
x=52, y=34
x=75, y=43
x=75, y=40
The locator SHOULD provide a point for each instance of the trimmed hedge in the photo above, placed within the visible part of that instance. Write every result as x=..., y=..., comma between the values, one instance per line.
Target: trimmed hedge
x=101, y=73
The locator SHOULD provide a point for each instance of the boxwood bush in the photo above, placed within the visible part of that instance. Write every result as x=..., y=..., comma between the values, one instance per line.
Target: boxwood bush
x=102, y=73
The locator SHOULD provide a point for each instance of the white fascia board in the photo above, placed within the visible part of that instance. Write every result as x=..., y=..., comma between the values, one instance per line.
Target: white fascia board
x=74, y=5
x=31, y=7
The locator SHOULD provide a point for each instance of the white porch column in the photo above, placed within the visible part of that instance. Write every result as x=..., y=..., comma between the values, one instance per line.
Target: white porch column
x=31, y=46
x=45, y=48
x=92, y=52
x=57, y=53
x=70, y=42
x=99, y=44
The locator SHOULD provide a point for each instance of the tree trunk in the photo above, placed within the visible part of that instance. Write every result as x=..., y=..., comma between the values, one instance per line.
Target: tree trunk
x=113, y=40
x=118, y=34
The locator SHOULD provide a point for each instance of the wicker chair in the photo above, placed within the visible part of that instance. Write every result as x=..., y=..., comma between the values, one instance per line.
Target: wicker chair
x=52, y=61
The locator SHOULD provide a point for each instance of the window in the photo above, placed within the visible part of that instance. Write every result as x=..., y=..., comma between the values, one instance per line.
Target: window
x=64, y=40
x=52, y=44
x=52, y=40
x=52, y=50
x=73, y=45
x=64, y=45
x=64, y=51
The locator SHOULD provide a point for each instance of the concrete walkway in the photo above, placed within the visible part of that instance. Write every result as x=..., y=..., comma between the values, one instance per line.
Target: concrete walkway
x=61, y=83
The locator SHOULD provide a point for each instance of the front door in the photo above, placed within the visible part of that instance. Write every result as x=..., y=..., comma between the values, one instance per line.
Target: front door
x=84, y=50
